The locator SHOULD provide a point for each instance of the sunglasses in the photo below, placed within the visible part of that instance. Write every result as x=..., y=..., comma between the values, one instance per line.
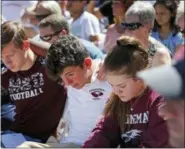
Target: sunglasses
x=40, y=17
x=131, y=26
x=49, y=37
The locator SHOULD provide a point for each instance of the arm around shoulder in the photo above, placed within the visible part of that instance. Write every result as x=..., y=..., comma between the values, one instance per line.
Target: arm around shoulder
x=162, y=57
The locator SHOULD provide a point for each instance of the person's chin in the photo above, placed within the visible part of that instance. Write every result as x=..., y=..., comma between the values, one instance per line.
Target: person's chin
x=77, y=86
x=160, y=23
x=13, y=69
x=124, y=99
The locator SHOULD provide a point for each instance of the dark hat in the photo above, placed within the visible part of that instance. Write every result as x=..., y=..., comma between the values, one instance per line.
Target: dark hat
x=167, y=80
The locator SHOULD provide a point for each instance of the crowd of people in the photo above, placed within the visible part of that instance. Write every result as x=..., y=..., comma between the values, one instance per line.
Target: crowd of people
x=92, y=74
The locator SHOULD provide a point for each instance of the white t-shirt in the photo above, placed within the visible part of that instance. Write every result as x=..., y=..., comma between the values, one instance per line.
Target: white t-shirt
x=84, y=108
x=87, y=24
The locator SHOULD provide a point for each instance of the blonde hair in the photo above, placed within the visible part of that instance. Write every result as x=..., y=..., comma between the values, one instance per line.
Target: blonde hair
x=117, y=20
x=51, y=6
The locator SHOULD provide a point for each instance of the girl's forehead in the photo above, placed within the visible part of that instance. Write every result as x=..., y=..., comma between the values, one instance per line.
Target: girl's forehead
x=117, y=79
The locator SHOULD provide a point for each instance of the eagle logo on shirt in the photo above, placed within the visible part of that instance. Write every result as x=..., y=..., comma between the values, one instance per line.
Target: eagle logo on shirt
x=132, y=138
x=97, y=93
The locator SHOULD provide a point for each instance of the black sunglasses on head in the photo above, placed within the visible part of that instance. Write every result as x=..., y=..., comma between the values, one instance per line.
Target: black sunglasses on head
x=40, y=17
x=131, y=26
x=48, y=37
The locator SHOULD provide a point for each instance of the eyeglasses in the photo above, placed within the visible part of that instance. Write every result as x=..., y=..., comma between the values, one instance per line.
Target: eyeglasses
x=40, y=17
x=49, y=37
x=131, y=26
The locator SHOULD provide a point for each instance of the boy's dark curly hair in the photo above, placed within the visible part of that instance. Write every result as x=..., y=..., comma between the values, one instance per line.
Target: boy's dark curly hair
x=66, y=51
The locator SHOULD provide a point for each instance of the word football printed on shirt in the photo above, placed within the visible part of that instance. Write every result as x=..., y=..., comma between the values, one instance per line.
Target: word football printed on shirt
x=27, y=87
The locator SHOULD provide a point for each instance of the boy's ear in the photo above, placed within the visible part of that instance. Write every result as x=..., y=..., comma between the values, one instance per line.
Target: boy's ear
x=63, y=32
x=26, y=45
x=88, y=63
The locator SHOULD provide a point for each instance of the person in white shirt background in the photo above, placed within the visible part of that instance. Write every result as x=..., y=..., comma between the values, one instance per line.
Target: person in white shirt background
x=68, y=59
x=84, y=25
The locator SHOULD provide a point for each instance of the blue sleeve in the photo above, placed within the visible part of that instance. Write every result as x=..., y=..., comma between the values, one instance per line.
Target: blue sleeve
x=7, y=116
x=179, y=40
x=155, y=35
x=95, y=52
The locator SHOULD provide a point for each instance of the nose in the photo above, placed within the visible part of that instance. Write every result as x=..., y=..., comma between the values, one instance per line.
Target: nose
x=7, y=61
x=114, y=7
x=158, y=16
x=117, y=91
x=69, y=3
x=67, y=81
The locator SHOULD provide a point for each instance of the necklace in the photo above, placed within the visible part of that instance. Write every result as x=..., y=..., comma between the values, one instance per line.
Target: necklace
x=137, y=99
x=132, y=106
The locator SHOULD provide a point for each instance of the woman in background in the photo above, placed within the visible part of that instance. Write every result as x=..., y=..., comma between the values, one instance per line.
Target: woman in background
x=180, y=22
x=165, y=29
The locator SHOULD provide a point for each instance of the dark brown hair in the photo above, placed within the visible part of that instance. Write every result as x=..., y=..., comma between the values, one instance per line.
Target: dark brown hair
x=12, y=31
x=171, y=5
x=127, y=57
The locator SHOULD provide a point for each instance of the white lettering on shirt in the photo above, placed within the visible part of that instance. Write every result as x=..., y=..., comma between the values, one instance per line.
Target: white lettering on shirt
x=140, y=118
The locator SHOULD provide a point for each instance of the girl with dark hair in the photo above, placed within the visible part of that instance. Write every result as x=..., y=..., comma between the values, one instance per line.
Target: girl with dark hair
x=130, y=117
x=165, y=29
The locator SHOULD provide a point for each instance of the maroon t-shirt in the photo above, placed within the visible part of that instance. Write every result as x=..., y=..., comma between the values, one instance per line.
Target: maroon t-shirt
x=39, y=101
x=146, y=129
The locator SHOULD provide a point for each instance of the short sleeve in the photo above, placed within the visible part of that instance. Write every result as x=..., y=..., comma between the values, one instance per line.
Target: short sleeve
x=179, y=40
x=92, y=27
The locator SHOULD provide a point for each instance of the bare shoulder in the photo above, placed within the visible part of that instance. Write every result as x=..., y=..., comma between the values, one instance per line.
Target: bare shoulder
x=160, y=48
x=162, y=54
